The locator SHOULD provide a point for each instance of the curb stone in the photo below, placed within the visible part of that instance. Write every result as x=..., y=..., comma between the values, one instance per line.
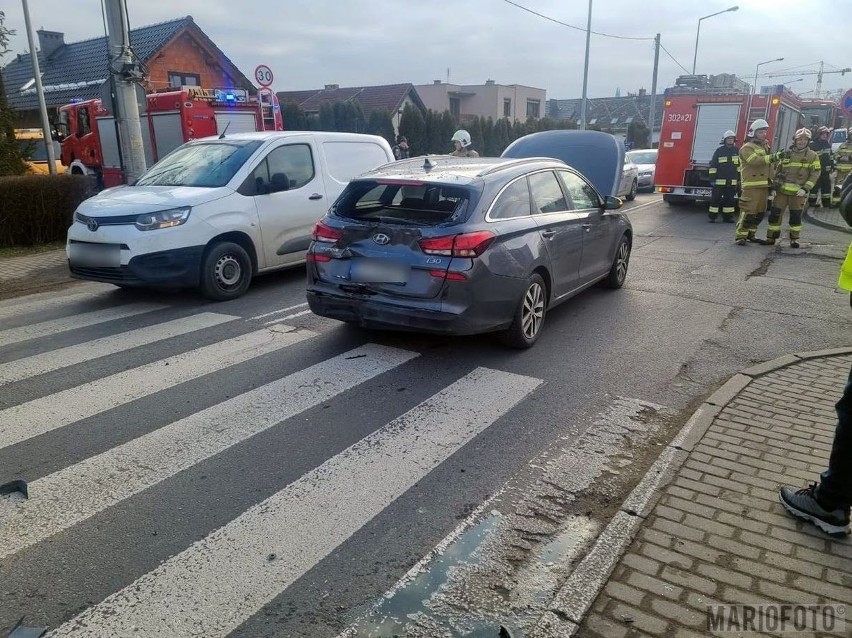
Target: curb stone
x=574, y=599
x=818, y=222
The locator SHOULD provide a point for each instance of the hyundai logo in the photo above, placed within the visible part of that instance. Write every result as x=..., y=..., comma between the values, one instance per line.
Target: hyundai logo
x=381, y=239
x=92, y=224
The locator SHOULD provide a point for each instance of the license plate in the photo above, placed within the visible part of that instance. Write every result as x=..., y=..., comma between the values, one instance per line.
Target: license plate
x=702, y=192
x=95, y=255
x=375, y=271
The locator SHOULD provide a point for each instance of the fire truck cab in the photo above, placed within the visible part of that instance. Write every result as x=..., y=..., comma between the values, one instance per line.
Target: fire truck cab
x=695, y=116
x=90, y=143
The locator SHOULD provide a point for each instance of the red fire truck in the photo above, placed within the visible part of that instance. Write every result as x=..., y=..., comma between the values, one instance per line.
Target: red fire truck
x=696, y=115
x=90, y=140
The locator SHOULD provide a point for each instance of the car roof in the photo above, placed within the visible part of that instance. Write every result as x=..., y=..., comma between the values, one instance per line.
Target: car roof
x=462, y=170
x=265, y=136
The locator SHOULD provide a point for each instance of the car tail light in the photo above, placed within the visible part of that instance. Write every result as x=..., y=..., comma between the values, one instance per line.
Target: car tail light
x=448, y=275
x=664, y=189
x=315, y=257
x=325, y=233
x=466, y=245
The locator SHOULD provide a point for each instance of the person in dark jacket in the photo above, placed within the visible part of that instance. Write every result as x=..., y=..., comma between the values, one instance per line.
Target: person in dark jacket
x=725, y=178
x=822, y=147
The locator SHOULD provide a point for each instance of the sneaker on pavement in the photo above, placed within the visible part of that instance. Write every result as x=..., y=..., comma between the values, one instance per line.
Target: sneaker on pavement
x=803, y=504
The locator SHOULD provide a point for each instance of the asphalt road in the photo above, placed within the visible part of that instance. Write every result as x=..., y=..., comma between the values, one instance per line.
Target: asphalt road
x=247, y=469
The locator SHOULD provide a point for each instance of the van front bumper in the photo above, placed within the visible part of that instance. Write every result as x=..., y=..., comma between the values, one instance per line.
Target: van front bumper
x=175, y=268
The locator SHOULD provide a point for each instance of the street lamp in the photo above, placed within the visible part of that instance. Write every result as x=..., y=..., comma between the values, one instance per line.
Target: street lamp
x=754, y=87
x=697, y=33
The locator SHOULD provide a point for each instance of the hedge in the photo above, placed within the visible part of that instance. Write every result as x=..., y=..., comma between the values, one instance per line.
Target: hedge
x=38, y=209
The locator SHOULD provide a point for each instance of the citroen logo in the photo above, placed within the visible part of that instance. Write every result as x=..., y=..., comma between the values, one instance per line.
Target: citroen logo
x=381, y=239
x=92, y=224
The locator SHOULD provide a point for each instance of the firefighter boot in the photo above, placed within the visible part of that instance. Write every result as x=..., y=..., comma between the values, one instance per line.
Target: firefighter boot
x=773, y=228
x=795, y=227
x=712, y=214
x=728, y=219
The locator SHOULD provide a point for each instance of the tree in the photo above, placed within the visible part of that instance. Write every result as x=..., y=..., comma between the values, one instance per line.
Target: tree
x=326, y=118
x=637, y=134
x=381, y=123
x=11, y=154
x=474, y=127
x=448, y=127
x=295, y=118
x=412, y=125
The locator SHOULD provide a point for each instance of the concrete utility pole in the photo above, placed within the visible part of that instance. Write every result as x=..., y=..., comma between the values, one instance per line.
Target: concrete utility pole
x=652, y=110
x=45, y=122
x=127, y=109
x=586, y=71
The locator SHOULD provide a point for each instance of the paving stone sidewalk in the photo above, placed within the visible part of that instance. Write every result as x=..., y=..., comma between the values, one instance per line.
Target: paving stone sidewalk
x=717, y=533
x=28, y=265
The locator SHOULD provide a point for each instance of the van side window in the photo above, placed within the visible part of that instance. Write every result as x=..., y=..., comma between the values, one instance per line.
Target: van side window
x=512, y=202
x=293, y=163
x=582, y=195
x=346, y=160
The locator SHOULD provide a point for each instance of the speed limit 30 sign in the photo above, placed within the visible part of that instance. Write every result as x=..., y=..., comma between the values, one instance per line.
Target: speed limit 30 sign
x=263, y=75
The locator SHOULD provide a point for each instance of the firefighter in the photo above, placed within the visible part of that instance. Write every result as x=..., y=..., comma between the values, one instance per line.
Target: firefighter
x=796, y=175
x=823, y=185
x=725, y=178
x=843, y=166
x=755, y=168
x=461, y=140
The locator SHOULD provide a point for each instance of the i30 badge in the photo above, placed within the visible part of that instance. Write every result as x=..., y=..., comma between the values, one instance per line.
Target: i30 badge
x=381, y=239
x=92, y=224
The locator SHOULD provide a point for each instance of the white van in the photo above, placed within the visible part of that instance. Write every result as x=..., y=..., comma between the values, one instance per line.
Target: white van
x=217, y=211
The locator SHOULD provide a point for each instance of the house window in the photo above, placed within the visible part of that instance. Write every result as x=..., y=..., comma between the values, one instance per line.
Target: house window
x=507, y=107
x=455, y=108
x=83, y=127
x=533, y=108
x=178, y=79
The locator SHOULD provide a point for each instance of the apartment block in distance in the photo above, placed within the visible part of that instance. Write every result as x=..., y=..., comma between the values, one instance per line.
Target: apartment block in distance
x=465, y=101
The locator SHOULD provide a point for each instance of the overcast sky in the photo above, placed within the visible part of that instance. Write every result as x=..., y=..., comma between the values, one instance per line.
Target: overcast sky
x=310, y=43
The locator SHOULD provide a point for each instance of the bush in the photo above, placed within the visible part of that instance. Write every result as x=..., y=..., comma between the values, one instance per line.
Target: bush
x=38, y=209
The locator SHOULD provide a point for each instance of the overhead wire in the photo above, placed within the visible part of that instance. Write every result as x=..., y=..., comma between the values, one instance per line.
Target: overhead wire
x=571, y=26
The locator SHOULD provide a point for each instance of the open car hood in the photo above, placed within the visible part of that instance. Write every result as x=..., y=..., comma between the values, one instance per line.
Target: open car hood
x=598, y=156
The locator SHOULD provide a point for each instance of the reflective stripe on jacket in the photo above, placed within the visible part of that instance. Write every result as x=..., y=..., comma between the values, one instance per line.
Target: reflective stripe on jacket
x=799, y=170
x=724, y=166
x=755, y=164
x=843, y=157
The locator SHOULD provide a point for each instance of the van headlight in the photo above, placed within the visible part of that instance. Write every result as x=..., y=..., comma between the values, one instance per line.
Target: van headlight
x=163, y=218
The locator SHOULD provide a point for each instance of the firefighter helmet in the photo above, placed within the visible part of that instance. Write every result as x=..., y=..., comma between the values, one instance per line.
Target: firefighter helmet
x=802, y=132
x=461, y=136
x=756, y=126
x=727, y=134
x=823, y=129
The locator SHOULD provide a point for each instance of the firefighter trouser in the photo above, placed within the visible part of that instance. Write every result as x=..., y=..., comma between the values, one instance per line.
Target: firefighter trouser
x=781, y=202
x=839, y=178
x=823, y=187
x=752, y=210
x=723, y=199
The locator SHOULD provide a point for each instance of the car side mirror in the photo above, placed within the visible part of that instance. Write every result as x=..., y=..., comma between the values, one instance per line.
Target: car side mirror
x=612, y=203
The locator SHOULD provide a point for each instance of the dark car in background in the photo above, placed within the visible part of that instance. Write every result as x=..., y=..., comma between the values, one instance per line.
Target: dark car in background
x=465, y=245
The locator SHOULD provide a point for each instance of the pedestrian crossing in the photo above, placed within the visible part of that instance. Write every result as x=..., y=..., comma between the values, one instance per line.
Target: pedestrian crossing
x=213, y=585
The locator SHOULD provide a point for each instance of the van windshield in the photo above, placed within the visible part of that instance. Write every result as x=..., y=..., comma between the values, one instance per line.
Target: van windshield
x=205, y=164
x=402, y=202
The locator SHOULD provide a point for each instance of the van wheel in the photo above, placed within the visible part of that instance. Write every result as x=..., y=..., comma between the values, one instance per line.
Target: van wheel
x=618, y=270
x=225, y=272
x=529, y=316
x=634, y=188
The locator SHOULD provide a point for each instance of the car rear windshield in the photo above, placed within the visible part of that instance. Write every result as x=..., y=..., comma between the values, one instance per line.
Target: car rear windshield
x=402, y=202
x=643, y=158
x=205, y=164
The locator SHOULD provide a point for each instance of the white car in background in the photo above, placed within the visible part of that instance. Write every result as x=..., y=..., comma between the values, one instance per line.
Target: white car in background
x=646, y=160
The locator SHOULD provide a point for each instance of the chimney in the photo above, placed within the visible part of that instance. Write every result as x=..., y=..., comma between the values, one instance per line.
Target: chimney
x=642, y=93
x=436, y=81
x=332, y=87
x=489, y=82
x=49, y=41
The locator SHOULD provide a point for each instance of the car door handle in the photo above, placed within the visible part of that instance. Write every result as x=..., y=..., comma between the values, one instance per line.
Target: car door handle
x=315, y=196
x=548, y=233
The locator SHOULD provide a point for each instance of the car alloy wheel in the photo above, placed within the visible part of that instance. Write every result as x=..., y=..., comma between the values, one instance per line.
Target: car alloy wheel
x=622, y=259
x=532, y=314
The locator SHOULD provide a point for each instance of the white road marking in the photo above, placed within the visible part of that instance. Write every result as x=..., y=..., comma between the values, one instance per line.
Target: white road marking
x=72, y=355
x=55, y=326
x=278, y=312
x=288, y=317
x=217, y=583
x=80, y=491
x=27, y=420
x=44, y=301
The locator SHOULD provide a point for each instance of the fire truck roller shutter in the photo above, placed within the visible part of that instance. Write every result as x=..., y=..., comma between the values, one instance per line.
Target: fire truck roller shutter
x=240, y=122
x=167, y=132
x=712, y=118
